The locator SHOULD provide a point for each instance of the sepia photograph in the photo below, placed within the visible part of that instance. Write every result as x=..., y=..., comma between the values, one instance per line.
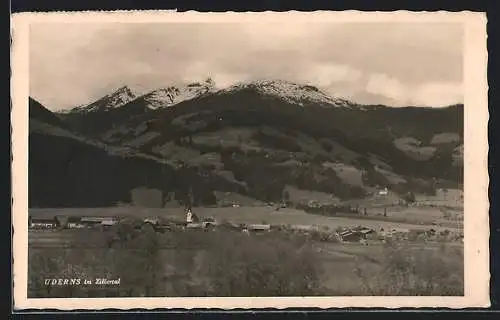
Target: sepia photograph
x=224, y=158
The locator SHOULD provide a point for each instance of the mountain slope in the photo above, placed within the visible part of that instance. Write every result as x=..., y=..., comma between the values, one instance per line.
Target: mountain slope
x=261, y=137
x=111, y=101
x=106, y=113
x=39, y=112
x=172, y=95
x=68, y=170
x=292, y=93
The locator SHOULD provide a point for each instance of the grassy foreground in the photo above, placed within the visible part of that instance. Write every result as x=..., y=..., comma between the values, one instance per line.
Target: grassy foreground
x=226, y=263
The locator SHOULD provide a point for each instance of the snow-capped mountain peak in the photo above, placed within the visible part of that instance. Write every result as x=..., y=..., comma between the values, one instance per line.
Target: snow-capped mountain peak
x=292, y=92
x=114, y=100
x=165, y=97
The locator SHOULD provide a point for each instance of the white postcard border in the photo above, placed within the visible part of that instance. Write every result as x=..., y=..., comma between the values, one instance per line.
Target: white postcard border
x=476, y=204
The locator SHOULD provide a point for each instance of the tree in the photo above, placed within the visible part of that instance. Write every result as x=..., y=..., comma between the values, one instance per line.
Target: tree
x=409, y=197
x=152, y=260
x=139, y=265
x=40, y=267
x=254, y=266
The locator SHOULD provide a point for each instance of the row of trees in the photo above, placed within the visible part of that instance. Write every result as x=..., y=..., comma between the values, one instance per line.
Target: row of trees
x=203, y=264
x=235, y=264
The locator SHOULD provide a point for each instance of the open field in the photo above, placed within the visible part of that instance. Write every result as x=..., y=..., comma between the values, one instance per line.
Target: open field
x=241, y=215
x=355, y=266
x=186, y=259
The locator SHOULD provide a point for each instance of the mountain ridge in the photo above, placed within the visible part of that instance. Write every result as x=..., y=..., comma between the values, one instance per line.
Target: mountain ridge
x=244, y=140
x=116, y=99
x=173, y=94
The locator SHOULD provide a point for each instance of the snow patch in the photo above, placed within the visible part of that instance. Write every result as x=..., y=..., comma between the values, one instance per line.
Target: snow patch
x=292, y=92
x=114, y=100
x=166, y=97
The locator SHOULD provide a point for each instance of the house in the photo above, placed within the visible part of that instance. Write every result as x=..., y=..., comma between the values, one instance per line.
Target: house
x=75, y=225
x=194, y=226
x=109, y=222
x=400, y=230
x=399, y=233
x=259, y=227
x=356, y=234
x=383, y=192
x=366, y=232
x=313, y=204
x=225, y=203
x=152, y=220
x=92, y=221
x=350, y=236
x=70, y=222
x=209, y=222
x=43, y=222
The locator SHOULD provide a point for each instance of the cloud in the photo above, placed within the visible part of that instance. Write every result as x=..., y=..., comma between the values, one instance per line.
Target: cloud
x=439, y=94
x=326, y=74
x=387, y=86
x=75, y=63
x=200, y=71
x=435, y=94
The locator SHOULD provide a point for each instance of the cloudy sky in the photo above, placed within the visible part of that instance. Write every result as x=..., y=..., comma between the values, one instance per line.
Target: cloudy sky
x=388, y=63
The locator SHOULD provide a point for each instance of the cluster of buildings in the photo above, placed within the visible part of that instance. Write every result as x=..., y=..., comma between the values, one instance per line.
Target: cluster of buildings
x=358, y=234
x=191, y=221
x=70, y=222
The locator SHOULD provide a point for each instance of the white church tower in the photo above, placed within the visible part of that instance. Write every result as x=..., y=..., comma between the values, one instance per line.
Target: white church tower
x=189, y=216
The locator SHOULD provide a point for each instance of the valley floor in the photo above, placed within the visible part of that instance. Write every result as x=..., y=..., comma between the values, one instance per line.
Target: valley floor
x=422, y=218
x=228, y=263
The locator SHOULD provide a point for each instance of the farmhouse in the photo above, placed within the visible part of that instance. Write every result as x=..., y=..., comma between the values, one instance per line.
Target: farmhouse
x=228, y=203
x=69, y=222
x=152, y=220
x=108, y=222
x=356, y=234
x=42, y=223
x=399, y=233
x=400, y=230
x=259, y=227
x=194, y=226
x=383, y=192
x=351, y=236
x=94, y=221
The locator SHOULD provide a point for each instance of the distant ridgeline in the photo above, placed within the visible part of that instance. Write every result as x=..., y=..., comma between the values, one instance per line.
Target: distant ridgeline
x=250, y=140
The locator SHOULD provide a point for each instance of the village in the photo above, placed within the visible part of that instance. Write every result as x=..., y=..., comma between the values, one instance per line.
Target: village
x=355, y=229
x=192, y=223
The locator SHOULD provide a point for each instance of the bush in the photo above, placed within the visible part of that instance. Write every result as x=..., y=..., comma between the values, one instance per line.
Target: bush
x=267, y=266
x=417, y=272
x=200, y=264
